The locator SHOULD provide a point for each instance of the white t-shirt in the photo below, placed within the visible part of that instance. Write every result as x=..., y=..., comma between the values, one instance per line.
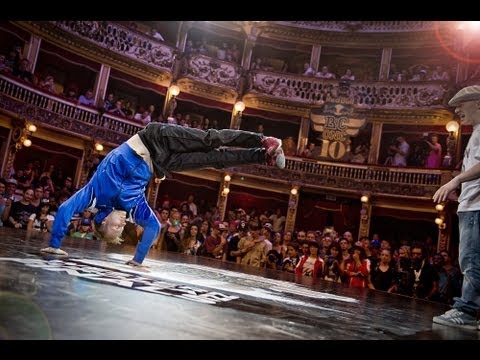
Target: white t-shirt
x=37, y=224
x=469, y=199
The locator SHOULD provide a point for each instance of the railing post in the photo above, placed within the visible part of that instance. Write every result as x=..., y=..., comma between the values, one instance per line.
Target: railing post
x=32, y=50
x=375, y=140
x=101, y=84
x=385, y=64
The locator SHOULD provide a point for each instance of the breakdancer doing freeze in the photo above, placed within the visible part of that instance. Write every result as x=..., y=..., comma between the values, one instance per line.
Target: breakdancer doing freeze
x=117, y=189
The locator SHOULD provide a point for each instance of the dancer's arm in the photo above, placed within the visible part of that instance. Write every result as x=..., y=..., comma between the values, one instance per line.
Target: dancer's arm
x=76, y=203
x=145, y=217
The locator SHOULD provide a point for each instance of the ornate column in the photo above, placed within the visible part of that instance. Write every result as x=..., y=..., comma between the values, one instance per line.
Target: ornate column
x=251, y=32
x=365, y=216
x=315, y=57
x=31, y=51
x=182, y=35
x=152, y=191
x=8, y=157
x=292, y=208
x=223, y=195
x=303, y=132
x=86, y=164
x=247, y=52
x=101, y=83
x=236, y=118
x=375, y=140
x=385, y=64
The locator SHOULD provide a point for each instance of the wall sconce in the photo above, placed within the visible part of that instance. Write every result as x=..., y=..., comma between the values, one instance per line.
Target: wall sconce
x=364, y=199
x=238, y=109
x=292, y=202
x=226, y=185
x=440, y=219
x=173, y=90
x=98, y=147
x=21, y=136
x=452, y=128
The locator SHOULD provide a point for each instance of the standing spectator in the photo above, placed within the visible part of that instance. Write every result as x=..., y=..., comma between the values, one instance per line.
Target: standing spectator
x=434, y=158
x=311, y=264
x=400, y=150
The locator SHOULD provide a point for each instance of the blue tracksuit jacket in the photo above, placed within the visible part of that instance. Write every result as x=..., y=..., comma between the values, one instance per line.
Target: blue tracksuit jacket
x=119, y=183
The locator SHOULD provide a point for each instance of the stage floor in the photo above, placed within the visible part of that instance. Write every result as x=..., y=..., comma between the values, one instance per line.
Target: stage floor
x=91, y=294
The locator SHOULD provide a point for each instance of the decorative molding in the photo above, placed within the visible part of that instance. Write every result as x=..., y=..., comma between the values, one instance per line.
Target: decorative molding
x=362, y=26
x=211, y=70
x=286, y=31
x=208, y=91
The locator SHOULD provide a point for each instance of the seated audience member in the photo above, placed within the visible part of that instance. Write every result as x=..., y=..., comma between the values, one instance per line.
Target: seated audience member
x=84, y=230
x=41, y=220
x=348, y=76
x=325, y=74
x=87, y=99
x=117, y=110
x=143, y=117
x=156, y=34
x=48, y=84
x=23, y=71
x=109, y=102
x=3, y=65
x=71, y=94
x=21, y=210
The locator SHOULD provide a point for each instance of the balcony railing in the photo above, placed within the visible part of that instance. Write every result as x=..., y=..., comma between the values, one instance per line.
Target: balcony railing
x=24, y=100
x=20, y=98
x=353, y=178
x=122, y=40
x=311, y=90
x=210, y=70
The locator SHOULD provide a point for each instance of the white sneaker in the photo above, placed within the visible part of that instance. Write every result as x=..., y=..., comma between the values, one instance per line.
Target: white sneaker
x=55, y=251
x=458, y=319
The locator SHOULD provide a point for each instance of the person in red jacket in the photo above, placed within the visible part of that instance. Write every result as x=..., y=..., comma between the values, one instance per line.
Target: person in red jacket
x=312, y=264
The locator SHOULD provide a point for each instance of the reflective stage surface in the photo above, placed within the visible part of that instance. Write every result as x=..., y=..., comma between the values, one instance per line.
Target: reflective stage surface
x=92, y=294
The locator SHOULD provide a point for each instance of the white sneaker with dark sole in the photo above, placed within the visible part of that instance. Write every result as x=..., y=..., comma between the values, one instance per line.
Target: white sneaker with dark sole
x=458, y=319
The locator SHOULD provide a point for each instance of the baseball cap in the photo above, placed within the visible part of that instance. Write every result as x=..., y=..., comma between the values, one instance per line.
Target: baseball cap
x=86, y=221
x=220, y=226
x=268, y=226
x=76, y=216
